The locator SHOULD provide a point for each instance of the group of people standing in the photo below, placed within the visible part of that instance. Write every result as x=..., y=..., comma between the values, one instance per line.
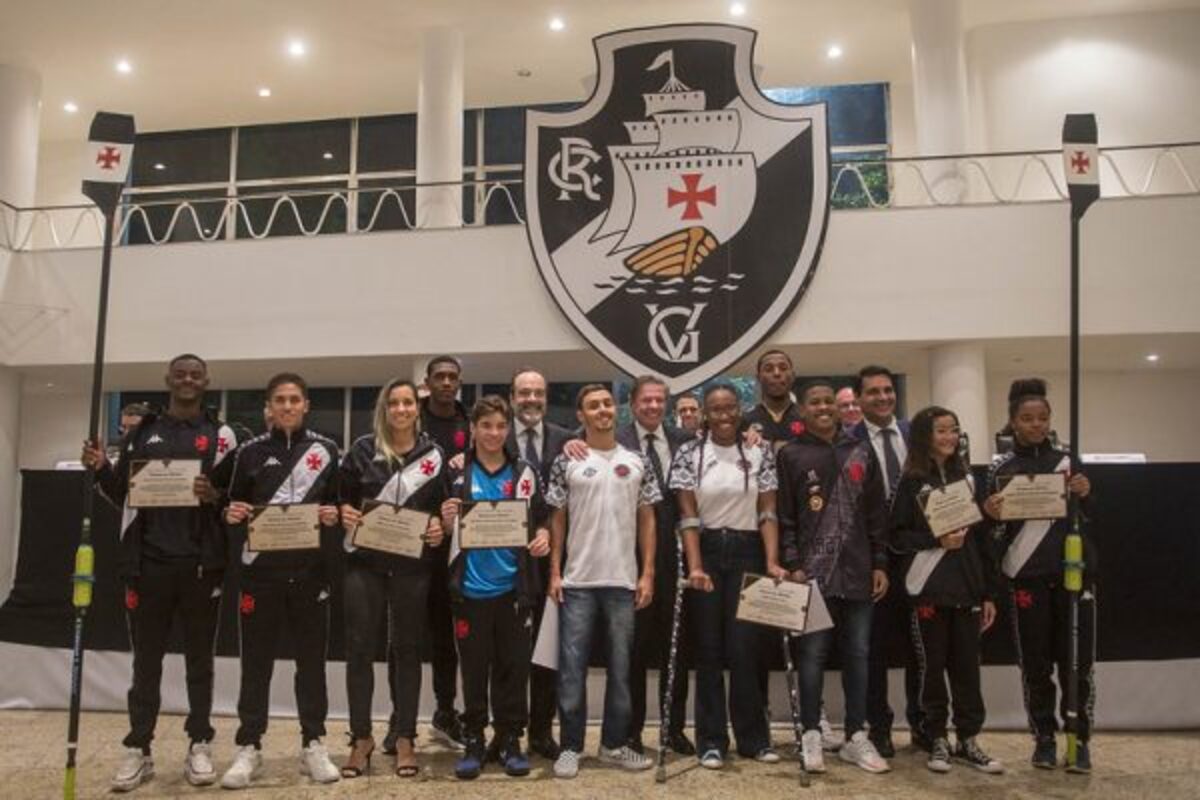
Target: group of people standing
x=796, y=489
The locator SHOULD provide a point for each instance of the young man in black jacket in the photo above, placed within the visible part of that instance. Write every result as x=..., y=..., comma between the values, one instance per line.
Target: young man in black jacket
x=832, y=529
x=289, y=465
x=172, y=561
x=494, y=591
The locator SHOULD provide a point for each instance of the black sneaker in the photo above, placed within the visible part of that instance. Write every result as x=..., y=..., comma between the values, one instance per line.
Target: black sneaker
x=920, y=740
x=970, y=752
x=1083, y=760
x=471, y=763
x=545, y=746
x=389, y=741
x=448, y=728
x=681, y=744
x=939, y=756
x=1045, y=753
x=883, y=743
x=516, y=763
x=635, y=744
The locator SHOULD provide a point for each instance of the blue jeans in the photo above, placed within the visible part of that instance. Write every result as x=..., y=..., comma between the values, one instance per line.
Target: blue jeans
x=720, y=640
x=852, y=625
x=577, y=618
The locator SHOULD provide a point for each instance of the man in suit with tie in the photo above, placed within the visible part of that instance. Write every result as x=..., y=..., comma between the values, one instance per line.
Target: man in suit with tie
x=538, y=441
x=652, y=625
x=888, y=436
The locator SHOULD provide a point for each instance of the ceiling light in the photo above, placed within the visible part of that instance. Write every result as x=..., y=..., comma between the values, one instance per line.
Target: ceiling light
x=124, y=67
x=524, y=73
x=328, y=156
x=160, y=166
x=264, y=92
x=1152, y=357
x=557, y=24
x=737, y=10
x=70, y=107
x=296, y=48
x=834, y=51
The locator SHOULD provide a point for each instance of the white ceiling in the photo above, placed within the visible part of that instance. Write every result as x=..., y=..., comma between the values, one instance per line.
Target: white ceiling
x=200, y=64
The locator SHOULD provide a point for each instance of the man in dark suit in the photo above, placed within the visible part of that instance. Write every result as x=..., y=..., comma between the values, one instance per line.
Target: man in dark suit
x=652, y=625
x=538, y=441
x=888, y=436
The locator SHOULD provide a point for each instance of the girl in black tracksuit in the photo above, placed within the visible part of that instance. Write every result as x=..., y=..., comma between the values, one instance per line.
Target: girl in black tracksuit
x=395, y=464
x=952, y=583
x=1032, y=560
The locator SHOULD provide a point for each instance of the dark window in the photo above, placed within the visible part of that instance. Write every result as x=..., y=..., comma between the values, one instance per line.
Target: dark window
x=470, y=137
x=152, y=220
x=326, y=410
x=504, y=132
x=504, y=195
x=164, y=159
x=387, y=144
x=294, y=149
x=380, y=201
x=864, y=184
x=857, y=112
x=362, y=411
x=281, y=210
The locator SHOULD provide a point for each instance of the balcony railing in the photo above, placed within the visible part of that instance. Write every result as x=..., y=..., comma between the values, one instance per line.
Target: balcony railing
x=370, y=203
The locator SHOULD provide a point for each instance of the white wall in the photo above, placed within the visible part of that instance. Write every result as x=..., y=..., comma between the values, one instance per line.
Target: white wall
x=1147, y=411
x=1140, y=74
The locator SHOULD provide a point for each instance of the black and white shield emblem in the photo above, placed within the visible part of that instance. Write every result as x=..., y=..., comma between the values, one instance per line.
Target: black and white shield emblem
x=678, y=215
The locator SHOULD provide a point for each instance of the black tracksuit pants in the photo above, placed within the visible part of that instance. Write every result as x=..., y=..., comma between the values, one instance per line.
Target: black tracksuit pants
x=494, y=645
x=444, y=657
x=270, y=601
x=543, y=683
x=890, y=638
x=651, y=650
x=946, y=642
x=1041, y=629
x=370, y=597
x=152, y=601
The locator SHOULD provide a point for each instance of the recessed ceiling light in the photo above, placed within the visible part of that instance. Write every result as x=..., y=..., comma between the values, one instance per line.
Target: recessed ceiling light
x=737, y=10
x=296, y=48
x=834, y=51
x=70, y=107
x=49, y=385
x=1152, y=357
x=124, y=67
x=524, y=73
x=328, y=156
x=264, y=92
x=160, y=166
x=557, y=24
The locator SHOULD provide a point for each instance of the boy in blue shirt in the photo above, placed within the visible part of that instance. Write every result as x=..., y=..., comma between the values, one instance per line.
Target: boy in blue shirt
x=493, y=591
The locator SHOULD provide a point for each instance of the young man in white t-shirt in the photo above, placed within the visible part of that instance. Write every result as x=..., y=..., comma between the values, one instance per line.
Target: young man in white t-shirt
x=609, y=497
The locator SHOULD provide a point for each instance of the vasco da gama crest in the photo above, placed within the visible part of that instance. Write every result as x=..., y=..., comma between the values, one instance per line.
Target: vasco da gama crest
x=677, y=216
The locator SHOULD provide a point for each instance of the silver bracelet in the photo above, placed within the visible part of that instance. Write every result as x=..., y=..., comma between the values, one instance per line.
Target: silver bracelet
x=767, y=516
x=689, y=522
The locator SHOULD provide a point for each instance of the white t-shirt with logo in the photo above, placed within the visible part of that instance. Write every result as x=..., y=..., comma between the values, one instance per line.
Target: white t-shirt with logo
x=602, y=494
x=727, y=487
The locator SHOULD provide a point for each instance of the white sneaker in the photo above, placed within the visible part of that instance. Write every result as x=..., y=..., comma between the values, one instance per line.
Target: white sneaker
x=136, y=768
x=198, y=766
x=712, y=759
x=939, y=756
x=767, y=756
x=247, y=765
x=315, y=763
x=862, y=753
x=811, y=752
x=567, y=764
x=831, y=740
x=624, y=758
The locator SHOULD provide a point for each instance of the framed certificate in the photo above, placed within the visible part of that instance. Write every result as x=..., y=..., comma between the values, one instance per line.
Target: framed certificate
x=494, y=523
x=284, y=527
x=1037, y=496
x=390, y=528
x=950, y=508
x=163, y=482
x=780, y=605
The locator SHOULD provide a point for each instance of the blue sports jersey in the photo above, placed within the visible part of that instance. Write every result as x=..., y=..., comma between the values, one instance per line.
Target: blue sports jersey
x=493, y=571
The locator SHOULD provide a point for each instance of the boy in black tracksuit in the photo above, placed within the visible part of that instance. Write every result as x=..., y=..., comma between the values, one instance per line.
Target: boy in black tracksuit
x=1033, y=563
x=288, y=465
x=172, y=561
x=952, y=583
x=493, y=626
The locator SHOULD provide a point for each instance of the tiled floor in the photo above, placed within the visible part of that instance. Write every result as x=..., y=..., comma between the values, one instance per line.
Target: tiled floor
x=1144, y=765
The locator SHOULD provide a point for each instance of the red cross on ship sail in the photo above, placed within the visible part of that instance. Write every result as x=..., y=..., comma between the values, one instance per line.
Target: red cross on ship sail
x=681, y=187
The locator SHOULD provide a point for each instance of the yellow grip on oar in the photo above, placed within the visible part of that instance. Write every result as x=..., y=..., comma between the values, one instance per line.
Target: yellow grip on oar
x=1073, y=563
x=85, y=561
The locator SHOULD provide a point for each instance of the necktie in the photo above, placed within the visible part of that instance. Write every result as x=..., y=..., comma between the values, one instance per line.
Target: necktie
x=652, y=454
x=531, y=454
x=891, y=463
